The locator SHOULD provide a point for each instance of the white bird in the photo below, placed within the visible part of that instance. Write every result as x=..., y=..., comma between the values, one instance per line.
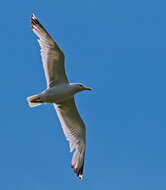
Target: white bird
x=61, y=93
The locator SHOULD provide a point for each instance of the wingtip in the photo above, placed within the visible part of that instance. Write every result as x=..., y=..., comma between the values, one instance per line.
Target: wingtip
x=81, y=177
x=78, y=171
x=33, y=16
x=34, y=20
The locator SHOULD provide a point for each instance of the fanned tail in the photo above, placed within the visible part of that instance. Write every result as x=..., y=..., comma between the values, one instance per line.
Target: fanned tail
x=34, y=101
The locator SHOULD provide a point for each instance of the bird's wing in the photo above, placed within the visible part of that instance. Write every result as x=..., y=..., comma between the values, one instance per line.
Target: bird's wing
x=52, y=56
x=75, y=132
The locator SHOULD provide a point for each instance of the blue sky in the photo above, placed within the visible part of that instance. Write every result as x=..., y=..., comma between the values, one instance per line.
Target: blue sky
x=116, y=47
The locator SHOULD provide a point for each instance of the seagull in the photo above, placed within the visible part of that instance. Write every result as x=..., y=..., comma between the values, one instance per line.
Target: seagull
x=60, y=92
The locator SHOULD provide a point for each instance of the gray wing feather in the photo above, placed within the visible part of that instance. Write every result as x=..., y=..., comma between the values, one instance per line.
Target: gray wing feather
x=52, y=56
x=75, y=131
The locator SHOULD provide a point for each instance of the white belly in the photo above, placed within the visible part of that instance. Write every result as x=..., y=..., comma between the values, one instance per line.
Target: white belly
x=57, y=94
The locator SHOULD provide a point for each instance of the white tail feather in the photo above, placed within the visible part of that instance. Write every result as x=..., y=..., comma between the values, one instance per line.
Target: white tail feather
x=34, y=101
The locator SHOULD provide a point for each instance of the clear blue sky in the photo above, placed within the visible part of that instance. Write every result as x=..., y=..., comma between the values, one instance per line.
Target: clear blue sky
x=116, y=47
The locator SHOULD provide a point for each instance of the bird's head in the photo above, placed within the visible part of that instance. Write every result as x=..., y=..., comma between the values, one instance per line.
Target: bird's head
x=80, y=87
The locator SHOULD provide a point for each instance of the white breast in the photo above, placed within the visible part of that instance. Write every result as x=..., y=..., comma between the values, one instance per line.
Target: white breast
x=57, y=93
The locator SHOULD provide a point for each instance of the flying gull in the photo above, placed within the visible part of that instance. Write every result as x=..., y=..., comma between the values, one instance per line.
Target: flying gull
x=61, y=93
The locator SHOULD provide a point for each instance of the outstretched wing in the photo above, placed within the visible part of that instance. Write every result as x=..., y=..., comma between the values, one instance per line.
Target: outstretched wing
x=52, y=56
x=75, y=131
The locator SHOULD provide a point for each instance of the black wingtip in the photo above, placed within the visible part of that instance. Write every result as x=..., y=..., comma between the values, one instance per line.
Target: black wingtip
x=34, y=20
x=79, y=171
